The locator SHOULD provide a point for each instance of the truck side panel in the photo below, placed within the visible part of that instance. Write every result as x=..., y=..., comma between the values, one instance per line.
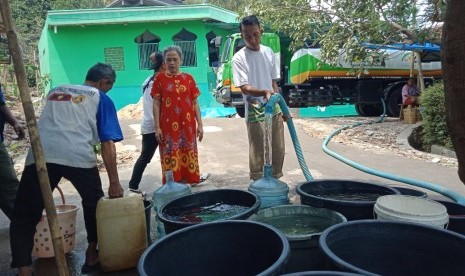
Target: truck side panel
x=306, y=64
x=313, y=83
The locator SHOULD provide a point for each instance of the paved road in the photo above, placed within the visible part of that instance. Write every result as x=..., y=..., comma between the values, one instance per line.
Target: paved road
x=224, y=154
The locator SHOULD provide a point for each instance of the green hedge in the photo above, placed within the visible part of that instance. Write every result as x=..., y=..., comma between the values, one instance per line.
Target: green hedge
x=432, y=106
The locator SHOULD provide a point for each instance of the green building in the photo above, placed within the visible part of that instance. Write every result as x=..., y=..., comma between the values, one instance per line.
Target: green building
x=73, y=40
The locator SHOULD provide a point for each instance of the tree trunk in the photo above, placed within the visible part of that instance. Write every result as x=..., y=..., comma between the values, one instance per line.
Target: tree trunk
x=20, y=73
x=453, y=65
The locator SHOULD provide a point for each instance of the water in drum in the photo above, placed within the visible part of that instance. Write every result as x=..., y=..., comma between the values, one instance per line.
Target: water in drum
x=299, y=224
x=209, y=213
x=351, y=195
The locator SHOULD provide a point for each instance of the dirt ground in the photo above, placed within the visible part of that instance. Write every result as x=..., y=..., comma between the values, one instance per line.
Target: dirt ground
x=374, y=137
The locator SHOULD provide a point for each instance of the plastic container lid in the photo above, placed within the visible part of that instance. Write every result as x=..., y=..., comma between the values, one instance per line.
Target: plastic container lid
x=411, y=209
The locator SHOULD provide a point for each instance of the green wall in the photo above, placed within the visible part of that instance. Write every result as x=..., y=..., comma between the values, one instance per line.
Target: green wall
x=67, y=52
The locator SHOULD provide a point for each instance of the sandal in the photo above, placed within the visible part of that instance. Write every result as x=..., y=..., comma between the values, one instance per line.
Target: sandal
x=88, y=268
x=85, y=269
x=204, y=176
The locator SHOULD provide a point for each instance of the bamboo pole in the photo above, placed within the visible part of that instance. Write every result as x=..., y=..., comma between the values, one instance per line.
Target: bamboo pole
x=35, y=139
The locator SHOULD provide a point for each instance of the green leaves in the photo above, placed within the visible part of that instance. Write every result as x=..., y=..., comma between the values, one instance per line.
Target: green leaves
x=29, y=18
x=345, y=24
x=98, y=149
x=435, y=131
x=77, y=4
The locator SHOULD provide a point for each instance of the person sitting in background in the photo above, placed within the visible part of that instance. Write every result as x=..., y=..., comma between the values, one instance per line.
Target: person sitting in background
x=410, y=93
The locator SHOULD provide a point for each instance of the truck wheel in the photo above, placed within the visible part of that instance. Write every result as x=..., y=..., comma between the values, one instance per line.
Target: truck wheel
x=368, y=110
x=359, y=110
x=394, y=100
x=240, y=111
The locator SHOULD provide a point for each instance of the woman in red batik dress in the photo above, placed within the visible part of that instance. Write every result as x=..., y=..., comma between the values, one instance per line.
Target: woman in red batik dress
x=177, y=119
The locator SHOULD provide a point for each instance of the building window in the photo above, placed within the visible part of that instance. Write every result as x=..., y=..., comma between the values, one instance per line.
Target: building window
x=212, y=50
x=145, y=50
x=186, y=40
x=147, y=43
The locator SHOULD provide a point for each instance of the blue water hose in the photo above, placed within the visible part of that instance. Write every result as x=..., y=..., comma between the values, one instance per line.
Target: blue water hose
x=277, y=98
x=423, y=184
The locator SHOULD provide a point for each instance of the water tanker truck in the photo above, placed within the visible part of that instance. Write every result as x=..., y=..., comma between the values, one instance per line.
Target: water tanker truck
x=310, y=82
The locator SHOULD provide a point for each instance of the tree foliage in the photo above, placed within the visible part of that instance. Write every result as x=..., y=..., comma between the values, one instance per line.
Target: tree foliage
x=30, y=15
x=345, y=24
x=77, y=4
x=29, y=18
x=432, y=103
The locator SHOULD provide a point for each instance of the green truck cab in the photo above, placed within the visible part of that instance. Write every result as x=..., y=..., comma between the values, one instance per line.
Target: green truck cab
x=225, y=92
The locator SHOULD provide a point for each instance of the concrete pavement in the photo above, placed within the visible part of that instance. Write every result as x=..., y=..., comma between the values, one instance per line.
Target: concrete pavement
x=224, y=154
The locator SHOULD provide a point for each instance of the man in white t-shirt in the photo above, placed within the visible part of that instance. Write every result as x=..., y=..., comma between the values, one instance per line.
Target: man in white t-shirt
x=255, y=73
x=149, y=141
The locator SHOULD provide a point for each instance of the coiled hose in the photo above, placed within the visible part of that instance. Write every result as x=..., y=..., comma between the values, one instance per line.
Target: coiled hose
x=415, y=182
x=277, y=98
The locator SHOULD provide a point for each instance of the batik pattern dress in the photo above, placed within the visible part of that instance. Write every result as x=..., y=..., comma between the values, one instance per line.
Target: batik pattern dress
x=178, y=150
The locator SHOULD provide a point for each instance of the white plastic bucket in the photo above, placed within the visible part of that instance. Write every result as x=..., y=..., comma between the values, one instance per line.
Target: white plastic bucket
x=411, y=209
x=66, y=215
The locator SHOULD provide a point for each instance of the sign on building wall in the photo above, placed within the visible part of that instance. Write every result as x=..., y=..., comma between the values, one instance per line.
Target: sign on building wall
x=115, y=57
